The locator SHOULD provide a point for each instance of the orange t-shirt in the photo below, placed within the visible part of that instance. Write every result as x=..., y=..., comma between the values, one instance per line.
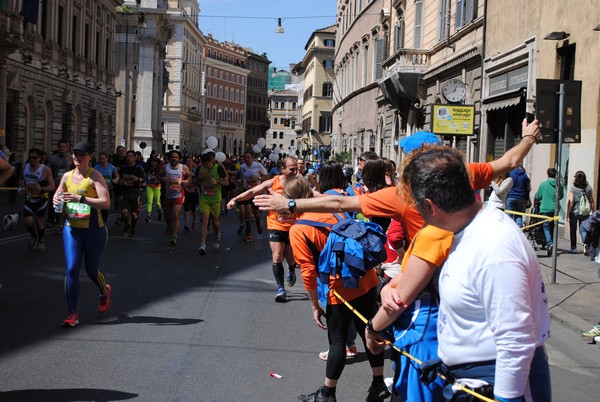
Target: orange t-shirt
x=309, y=267
x=280, y=220
x=387, y=203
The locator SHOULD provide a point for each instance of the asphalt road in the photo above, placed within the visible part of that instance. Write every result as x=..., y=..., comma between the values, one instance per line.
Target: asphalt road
x=183, y=327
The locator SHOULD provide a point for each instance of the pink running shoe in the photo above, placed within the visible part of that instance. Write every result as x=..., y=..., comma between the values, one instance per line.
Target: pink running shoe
x=104, y=303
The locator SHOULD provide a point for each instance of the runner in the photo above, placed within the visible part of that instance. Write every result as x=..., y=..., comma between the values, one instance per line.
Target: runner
x=248, y=171
x=190, y=205
x=211, y=177
x=132, y=179
x=111, y=176
x=174, y=175
x=278, y=224
x=85, y=193
x=119, y=160
x=37, y=181
x=60, y=162
x=153, y=189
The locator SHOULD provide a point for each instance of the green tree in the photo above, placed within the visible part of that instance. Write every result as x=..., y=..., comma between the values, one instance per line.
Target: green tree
x=343, y=157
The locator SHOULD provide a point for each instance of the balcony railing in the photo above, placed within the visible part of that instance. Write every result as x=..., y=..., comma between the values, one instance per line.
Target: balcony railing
x=408, y=58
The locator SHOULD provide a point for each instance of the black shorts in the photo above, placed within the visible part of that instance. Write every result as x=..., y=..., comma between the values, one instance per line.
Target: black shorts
x=191, y=201
x=132, y=201
x=279, y=236
x=35, y=208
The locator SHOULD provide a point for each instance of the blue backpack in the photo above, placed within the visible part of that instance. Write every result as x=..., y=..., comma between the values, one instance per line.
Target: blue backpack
x=352, y=248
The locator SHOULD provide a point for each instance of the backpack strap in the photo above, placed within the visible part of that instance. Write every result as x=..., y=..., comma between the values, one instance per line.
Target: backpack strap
x=314, y=224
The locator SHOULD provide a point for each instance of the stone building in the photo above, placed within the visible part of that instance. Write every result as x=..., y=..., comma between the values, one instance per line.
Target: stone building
x=57, y=73
x=283, y=116
x=257, y=121
x=226, y=91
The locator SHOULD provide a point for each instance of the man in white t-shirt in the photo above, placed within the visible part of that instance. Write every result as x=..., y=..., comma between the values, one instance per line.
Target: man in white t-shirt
x=252, y=173
x=493, y=319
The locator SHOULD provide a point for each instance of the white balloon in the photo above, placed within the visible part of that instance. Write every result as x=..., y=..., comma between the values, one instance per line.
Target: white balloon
x=273, y=157
x=212, y=142
x=277, y=150
x=256, y=149
x=220, y=157
x=261, y=142
x=207, y=150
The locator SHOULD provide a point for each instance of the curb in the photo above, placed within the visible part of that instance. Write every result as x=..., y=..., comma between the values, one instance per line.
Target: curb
x=569, y=320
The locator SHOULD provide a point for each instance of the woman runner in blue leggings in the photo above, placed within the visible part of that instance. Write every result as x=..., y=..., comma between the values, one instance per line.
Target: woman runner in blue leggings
x=85, y=194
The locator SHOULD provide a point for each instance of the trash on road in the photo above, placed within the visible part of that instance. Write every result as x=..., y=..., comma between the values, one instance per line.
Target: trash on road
x=275, y=375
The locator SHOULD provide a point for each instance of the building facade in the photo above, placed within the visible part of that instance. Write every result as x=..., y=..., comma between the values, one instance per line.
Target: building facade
x=182, y=120
x=316, y=69
x=143, y=29
x=515, y=58
x=57, y=74
x=226, y=91
x=257, y=120
x=283, y=116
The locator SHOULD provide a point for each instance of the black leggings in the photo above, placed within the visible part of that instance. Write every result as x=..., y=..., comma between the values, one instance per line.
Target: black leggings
x=339, y=318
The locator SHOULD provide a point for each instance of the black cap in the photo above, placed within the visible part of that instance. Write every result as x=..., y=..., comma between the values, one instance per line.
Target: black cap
x=84, y=146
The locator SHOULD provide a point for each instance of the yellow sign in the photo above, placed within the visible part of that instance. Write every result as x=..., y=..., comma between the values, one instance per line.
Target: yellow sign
x=453, y=119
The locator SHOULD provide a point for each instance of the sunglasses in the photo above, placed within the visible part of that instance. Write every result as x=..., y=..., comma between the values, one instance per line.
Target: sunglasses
x=80, y=154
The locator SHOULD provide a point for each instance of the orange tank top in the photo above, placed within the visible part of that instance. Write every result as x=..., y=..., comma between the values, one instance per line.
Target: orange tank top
x=280, y=220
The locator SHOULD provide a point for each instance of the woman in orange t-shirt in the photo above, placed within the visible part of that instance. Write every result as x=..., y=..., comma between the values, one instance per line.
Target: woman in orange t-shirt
x=306, y=241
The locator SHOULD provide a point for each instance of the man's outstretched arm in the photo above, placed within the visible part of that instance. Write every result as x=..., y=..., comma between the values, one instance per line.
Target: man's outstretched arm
x=514, y=156
x=331, y=203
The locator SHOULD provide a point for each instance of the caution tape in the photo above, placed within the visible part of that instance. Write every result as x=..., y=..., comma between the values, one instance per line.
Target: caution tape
x=543, y=218
x=8, y=188
x=403, y=352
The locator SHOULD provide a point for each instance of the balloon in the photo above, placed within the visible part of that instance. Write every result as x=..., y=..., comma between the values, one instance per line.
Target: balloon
x=256, y=149
x=220, y=157
x=273, y=157
x=207, y=150
x=261, y=142
x=212, y=142
x=277, y=150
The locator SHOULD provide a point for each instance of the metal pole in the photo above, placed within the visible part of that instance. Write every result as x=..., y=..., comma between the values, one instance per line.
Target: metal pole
x=126, y=108
x=561, y=101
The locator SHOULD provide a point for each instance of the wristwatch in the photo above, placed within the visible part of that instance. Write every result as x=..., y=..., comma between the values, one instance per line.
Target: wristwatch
x=82, y=199
x=292, y=205
x=370, y=328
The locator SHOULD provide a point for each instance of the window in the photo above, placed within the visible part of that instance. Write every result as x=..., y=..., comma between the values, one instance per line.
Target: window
x=378, y=58
x=465, y=12
x=275, y=120
x=329, y=42
x=281, y=135
x=418, y=24
x=328, y=63
x=325, y=123
x=327, y=89
x=443, y=13
x=399, y=34
x=294, y=105
x=274, y=135
x=365, y=65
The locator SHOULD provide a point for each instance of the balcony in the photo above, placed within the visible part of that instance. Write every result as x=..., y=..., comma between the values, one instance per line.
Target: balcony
x=411, y=59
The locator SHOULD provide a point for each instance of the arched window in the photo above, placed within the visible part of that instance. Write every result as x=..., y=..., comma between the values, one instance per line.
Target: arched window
x=208, y=89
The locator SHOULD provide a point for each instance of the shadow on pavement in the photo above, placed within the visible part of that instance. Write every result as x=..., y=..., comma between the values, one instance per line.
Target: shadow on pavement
x=65, y=395
x=126, y=319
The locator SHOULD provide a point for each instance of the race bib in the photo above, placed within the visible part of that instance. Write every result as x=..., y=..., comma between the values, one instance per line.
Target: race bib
x=286, y=217
x=129, y=179
x=78, y=214
x=208, y=189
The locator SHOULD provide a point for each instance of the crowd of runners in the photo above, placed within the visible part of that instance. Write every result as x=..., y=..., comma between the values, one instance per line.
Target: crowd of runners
x=460, y=290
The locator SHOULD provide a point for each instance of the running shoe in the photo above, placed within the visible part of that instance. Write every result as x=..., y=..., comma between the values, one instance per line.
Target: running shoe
x=317, y=396
x=173, y=241
x=592, y=333
x=259, y=227
x=186, y=228
x=240, y=229
x=351, y=351
x=104, y=303
x=573, y=250
x=377, y=393
x=32, y=243
x=71, y=320
x=126, y=230
x=168, y=230
x=249, y=238
x=160, y=216
x=40, y=247
x=202, y=249
x=291, y=279
x=217, y=244
x=586, y=250
x=148, y=219
x=281, y=296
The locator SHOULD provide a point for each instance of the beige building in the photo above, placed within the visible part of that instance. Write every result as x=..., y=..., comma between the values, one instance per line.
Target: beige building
x=316, y=92
x=182, y=122
x=283, y=113
x=57, y=74
x=515, y=58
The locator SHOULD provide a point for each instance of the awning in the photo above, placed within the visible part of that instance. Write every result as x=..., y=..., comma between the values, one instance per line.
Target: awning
x=400, y=86
x=503, y=101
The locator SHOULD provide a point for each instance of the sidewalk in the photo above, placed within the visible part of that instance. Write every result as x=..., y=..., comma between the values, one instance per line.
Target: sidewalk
x=573, y=300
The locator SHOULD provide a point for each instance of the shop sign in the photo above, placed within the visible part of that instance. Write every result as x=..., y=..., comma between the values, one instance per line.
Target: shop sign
x=508, y=82
x=453, y=119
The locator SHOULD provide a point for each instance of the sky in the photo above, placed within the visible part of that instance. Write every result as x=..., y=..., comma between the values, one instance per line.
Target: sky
x=257, y=29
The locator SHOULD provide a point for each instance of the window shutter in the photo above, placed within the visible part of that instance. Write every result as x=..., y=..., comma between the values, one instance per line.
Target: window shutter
x=418, y=23
x=378, y=58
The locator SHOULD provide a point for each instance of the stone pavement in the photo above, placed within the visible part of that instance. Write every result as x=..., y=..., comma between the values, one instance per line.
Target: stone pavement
x=573, y=300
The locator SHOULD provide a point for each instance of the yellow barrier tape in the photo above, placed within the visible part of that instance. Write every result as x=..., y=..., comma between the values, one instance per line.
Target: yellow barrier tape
x=544, y=218
x=8, y=188
x=363, y=319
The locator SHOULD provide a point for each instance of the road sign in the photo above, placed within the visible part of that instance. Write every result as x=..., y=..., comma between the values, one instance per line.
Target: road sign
x=547, y=110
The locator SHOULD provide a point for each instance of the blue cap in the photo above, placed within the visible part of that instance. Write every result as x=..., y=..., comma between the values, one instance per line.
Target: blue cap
x=418, y=139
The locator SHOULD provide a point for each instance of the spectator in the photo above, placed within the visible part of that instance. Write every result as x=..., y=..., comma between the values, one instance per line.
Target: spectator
x=580, y=189
x=500, y=188
x=546, y=197
x=518, y=196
